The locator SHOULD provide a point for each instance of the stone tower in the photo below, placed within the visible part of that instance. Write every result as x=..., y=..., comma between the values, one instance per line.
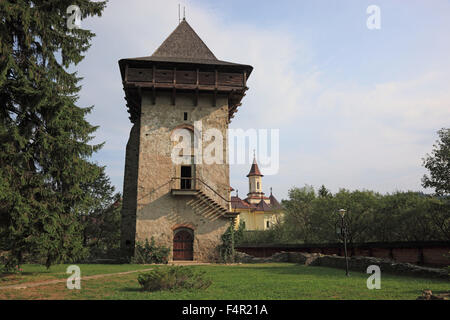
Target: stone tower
x=177, y=89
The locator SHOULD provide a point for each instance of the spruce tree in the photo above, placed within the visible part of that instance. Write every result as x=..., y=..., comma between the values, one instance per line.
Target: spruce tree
x=44, y=136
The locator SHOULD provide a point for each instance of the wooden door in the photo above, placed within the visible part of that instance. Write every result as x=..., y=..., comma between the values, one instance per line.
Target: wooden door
x=183, y=245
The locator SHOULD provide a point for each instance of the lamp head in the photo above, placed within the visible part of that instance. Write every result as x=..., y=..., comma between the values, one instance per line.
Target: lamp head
x=342, y=212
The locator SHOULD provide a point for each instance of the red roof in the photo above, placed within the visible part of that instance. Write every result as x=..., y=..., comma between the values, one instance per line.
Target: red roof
x=254, y=171
x=274, y=202
x=238, y=203
x=263, y=206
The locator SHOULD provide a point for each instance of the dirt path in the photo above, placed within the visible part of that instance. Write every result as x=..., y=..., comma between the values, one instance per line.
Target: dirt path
x=97, y=276
x=42, y=283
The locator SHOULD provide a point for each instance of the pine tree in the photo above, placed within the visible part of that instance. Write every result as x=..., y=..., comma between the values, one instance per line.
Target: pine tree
x=44, y=137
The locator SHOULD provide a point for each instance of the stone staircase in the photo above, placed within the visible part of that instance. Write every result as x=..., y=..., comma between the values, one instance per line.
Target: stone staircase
x=206, y=206
x=205, y=200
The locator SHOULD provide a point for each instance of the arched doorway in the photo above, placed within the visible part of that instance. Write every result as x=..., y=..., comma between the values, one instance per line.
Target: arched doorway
x=183, y=244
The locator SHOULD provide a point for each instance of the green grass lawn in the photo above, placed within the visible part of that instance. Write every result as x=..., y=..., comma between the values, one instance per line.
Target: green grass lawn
x=247, y=281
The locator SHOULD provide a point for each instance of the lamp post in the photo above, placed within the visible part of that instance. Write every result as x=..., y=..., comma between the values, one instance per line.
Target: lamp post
x=344, y=233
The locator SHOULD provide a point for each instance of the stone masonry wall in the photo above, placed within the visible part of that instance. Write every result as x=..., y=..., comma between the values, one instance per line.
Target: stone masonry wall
x=128, y=223
x=356, y=263
x=435, y=254
x=158, y=212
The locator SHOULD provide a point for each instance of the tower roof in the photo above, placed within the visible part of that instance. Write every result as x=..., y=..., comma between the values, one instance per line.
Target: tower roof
x=184, y=46
x=183, y=63
x=184, y=42
x=254, y=170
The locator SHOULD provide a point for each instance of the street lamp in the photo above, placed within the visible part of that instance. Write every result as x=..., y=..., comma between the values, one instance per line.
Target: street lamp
x=344, y=233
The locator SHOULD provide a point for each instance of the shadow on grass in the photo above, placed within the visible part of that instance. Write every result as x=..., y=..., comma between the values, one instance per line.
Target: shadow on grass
x=299, y=270
x=325, y=271
x=132, y=290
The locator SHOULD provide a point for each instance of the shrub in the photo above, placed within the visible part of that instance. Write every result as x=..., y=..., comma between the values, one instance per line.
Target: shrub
x=171, y=278
x=149, y=252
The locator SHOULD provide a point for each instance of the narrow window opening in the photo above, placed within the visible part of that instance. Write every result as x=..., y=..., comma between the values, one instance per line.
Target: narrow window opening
x=185, y=116
x=186, y=177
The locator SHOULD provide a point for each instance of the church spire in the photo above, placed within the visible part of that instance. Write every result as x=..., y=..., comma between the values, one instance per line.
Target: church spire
x=254, y=170
x=255, y=181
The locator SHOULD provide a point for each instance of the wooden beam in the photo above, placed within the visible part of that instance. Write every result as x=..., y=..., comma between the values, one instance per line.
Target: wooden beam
x=215, y=87
x=153, y=74
x=216, y=78
x=153, y=95
x=174, y=86
x=196, y=89
x=178, y=86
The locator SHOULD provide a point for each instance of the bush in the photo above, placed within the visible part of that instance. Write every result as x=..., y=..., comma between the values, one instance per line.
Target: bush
x=146, y=253
x=171, y=278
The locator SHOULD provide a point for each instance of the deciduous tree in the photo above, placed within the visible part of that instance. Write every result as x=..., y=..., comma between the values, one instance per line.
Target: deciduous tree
x=438, y=165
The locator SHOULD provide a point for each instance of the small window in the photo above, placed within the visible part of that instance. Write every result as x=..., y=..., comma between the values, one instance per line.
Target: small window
x=267, y=224
x=185, y=116
x=257, y=185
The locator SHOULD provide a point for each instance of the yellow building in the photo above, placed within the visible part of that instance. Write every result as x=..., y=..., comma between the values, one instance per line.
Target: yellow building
x=257, y=211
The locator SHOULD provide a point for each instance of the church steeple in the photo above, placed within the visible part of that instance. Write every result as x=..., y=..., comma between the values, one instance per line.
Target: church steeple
x=255, y=182
x=254, y=170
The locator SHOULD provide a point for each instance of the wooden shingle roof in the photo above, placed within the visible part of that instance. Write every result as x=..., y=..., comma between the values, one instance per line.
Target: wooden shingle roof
x=184, y=42
x=184, y=46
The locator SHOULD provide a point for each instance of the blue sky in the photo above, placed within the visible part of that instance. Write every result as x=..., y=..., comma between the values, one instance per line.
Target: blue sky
x=356, y=108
